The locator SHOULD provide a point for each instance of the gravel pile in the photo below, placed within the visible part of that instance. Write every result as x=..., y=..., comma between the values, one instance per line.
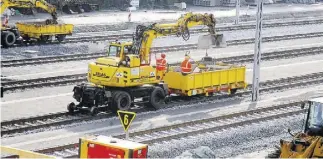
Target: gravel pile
x=231, y=142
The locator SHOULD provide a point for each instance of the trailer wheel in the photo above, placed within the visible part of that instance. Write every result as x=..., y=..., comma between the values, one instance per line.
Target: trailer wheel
x=8, y=38
x=71, y=107
x=86, y=7
x=44, y=38
x=60, y=38
x=94, y=110
x=157, y=98
x=121, y=100
x=233, y=91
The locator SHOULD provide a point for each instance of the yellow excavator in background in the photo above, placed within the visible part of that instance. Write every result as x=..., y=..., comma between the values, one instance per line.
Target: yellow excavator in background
x=27, y=31
x=126, y=74
x=31, y=4
x=307, y=144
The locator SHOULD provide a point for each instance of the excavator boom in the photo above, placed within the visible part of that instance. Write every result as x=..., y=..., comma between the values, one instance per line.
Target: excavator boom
x=144, y=35
x=30, y=4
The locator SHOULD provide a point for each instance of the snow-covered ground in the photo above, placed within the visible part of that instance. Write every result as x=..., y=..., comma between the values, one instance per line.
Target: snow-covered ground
x=170, y=116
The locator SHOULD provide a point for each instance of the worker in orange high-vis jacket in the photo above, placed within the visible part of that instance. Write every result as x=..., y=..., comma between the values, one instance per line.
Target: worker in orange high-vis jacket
x=186, y=65
x=161, y=66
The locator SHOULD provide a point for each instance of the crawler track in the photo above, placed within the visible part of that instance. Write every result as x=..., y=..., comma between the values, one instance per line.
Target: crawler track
x=129, y=36
x=78, y=78
x=64, y=58
x=191, y=128
x=25, y=124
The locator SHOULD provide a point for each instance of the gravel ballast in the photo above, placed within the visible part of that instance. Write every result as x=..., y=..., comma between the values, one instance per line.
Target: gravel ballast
x=232, y=142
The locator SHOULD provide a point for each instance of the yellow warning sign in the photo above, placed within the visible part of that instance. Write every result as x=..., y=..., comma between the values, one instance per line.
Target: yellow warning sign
x=126, y=118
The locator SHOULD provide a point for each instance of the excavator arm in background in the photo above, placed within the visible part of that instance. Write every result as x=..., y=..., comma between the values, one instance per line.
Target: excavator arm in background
x=31, y=4
x=144, y=35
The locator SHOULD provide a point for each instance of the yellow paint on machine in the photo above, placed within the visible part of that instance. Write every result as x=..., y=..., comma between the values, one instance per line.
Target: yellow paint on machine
x=222, y=77
x=23, y=153
x=34, y=30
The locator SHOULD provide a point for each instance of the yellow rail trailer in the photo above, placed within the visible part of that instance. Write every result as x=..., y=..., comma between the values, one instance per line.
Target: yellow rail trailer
x=44, y=32
x=206, y=79
x=19, y=153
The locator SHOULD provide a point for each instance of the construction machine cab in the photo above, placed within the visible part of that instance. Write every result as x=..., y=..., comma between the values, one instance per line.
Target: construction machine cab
x=117, y=53
x=119, y=49
x=307, y=144
x=314, y=120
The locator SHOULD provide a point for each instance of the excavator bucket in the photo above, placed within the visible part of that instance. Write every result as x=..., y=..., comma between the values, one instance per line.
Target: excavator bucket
x=205, y=41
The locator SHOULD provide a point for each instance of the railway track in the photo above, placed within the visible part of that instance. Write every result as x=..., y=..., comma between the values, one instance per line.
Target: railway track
x=58, y=119
x=189, y=129
x=78, y=78
x=194, y=31
x=75, y=57
x=243, y=25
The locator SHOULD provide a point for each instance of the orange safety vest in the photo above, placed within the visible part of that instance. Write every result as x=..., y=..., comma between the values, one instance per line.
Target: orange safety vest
x=161, y=64
x=186, y=66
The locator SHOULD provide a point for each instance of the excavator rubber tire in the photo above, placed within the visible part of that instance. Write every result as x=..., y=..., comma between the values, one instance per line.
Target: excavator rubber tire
x=121, y=100
x=8, y=38
x=157, y=97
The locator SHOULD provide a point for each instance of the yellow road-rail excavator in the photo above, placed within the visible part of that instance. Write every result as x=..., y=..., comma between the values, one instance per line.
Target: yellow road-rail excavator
x=31, y=31
x=307, y=144
x=126, y=74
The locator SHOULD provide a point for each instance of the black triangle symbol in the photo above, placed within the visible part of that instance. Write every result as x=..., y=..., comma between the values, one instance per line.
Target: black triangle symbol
x=126, y=118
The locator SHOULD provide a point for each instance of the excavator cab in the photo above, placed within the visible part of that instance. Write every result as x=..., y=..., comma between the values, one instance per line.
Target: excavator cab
x=118, y=49
x=314, y=121
x=309, y=143
x=116, y=53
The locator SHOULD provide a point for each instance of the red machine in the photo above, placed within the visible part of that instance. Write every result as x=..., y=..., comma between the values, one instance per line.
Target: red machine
x=108, y=147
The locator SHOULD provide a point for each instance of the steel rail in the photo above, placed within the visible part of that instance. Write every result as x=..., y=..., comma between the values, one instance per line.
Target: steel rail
x=64, y=58
x=191, y=128
x=77, y=78
x=63, y=118
x=193, y=31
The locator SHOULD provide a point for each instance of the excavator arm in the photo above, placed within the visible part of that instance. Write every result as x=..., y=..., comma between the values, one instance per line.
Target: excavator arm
x=31, y=4
x=145, y=35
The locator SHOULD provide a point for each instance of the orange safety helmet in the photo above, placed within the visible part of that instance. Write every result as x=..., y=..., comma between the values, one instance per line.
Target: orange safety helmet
x=163, y=56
